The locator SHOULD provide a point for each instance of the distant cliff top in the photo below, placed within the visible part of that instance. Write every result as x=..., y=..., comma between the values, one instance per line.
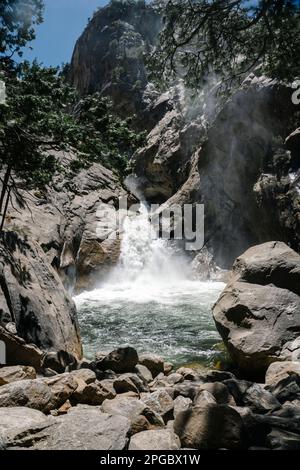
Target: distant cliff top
x=109, y=55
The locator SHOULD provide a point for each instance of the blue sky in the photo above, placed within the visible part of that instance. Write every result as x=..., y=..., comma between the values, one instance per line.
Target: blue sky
x=64, y=21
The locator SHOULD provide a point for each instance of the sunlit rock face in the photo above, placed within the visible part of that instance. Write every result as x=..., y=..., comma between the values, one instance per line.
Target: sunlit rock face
x=257, y=314
x=109, y=57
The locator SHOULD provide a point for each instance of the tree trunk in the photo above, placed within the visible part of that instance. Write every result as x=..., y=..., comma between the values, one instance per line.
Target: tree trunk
x=5, y=209
x=4, y=187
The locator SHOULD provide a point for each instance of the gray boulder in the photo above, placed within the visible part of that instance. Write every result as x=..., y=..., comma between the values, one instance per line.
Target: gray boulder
x=161, y=402
x=153, y=362
x=181, y=404
x=130, y=407
x=162, y=439
x=30, y=393
x=258, y=313
x=281, y=370
x=39, y=394
x=210, y=426
x=144, y=373
x=130, y=383
x=93, y=394
x=83, y=428
x=269, y=263
x=19, y=419
x=15, y=373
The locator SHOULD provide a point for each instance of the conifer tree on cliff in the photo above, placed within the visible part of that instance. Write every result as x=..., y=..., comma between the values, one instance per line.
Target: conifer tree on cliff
x=229, y=38
x=42, y=113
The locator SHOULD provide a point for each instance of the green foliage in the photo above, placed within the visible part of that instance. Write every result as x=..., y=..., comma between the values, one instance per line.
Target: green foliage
x=227, y=38
x=100, y=135
x=44, y=113
x=17, y=21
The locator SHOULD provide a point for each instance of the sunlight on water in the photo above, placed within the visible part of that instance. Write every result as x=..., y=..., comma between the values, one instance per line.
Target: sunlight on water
x=149, y=302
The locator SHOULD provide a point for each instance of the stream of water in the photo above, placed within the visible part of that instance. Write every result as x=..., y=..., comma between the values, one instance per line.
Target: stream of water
x=150, y=302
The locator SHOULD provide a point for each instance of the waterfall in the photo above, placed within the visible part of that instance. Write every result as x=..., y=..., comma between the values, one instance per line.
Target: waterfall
x=144, y=258
x=150, y=301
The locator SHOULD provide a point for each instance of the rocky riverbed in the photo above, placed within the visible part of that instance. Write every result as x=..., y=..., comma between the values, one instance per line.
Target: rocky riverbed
x=240, y=158
x=126, y=401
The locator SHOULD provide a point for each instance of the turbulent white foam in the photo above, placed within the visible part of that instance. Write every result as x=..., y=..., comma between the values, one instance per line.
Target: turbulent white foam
x=150, y=301
x=145, y=258
x=139, y=291
x=148, y=270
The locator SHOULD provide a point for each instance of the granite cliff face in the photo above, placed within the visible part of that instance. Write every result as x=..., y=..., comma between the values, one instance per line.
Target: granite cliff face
x=244, y=167
x=243, y=164
x=109, y=55
x=32, y=299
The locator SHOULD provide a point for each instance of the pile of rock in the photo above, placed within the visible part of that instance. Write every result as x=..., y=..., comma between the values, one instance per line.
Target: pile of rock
x=122, y=401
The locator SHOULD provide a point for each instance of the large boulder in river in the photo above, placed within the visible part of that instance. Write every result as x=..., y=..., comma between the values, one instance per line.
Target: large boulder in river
x=258, y=313
x=33, y=297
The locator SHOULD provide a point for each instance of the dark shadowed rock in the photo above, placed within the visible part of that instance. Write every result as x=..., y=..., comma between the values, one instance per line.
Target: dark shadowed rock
x=254, y=396
x=260, y=400
x=121, y=360
x=59, y=361
x=292, y=143
x=20, y=353
x=288, y=389
x=216, y=376
x=278, y=439
x=219, y=391
x=210, y=426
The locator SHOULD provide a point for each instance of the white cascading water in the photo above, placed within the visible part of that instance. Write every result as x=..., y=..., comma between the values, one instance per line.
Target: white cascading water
x=150, y=301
